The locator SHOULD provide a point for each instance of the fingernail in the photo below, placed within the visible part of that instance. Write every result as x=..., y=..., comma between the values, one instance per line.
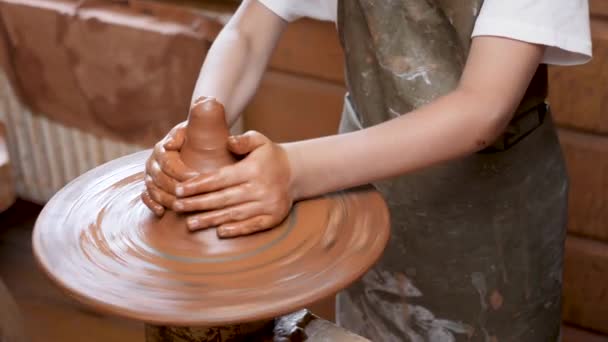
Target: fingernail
x=179, y=191
x=192, y=223
x=159, y=211
x=224, y=232
x=178, y=206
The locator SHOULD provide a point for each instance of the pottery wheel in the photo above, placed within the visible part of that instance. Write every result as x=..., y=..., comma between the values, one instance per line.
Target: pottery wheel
x=97, y=240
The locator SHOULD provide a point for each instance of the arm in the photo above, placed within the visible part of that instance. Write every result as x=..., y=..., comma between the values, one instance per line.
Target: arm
x=231, y=73
x=238, y=57
x=495, y=78
x=257, y=192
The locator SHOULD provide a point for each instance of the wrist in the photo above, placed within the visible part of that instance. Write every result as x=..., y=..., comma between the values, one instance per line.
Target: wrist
x=294, y=161
x=316, y=167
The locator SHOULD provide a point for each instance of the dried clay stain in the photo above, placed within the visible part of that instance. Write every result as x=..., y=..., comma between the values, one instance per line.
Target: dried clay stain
x=496, y=300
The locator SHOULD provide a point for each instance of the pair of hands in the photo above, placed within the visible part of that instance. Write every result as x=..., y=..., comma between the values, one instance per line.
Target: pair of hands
x=252, y=195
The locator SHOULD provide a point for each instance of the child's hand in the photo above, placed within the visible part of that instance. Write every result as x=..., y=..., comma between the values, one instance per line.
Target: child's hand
x=164, y=169
x=252, y=195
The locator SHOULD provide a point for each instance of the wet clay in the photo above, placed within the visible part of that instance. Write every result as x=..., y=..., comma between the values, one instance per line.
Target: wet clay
x=97, y=240
x=205, y=147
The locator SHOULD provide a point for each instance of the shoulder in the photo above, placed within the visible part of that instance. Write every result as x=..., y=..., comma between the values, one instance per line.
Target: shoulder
x=561, y=25
x=291, y=10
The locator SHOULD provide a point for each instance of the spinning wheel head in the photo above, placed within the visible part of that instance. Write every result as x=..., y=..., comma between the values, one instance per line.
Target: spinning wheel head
x=99, y=242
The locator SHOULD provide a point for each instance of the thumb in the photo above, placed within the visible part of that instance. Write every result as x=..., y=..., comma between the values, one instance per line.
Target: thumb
x=175, y=138
x=247, y=142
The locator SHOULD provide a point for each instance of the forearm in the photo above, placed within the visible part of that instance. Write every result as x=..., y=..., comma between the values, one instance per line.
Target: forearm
x=450, y=127
x=494, y=80
x=225, y=72
x=238, y=58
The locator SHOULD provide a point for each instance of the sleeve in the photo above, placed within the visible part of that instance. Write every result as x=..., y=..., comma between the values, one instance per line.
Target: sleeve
x=561, y=25
x=291, y=10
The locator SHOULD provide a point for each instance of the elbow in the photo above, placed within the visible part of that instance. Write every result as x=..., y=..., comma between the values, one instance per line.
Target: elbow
x=490, y=128
x=489, y=117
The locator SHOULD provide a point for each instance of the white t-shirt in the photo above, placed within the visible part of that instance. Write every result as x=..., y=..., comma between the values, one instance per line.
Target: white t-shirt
x=561, y=25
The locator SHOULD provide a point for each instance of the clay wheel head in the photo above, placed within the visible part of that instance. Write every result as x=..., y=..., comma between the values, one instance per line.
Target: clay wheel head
x=99, y=242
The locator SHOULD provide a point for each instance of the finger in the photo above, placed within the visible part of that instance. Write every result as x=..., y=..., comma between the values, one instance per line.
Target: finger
x=225, y=177
x=172, y=165
x=158, y=195
x=161, y=180
x=246, y=227
x=175, y=138
x=215, y=200
x=156, y=208
x=218, y=217
x=246, y=142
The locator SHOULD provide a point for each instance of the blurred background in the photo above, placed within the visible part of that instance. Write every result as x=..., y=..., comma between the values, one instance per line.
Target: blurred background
x=84, y=82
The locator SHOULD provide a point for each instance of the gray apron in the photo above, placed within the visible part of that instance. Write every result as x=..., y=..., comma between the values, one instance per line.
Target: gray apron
x=477, y=243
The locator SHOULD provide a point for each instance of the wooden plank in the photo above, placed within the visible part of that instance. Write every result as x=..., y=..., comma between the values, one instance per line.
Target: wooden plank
x=288, y=108
x=585, y=296
x=587, y=162
x=312, y=48
x=572, y=334
x=579, y=94
x=7, y=186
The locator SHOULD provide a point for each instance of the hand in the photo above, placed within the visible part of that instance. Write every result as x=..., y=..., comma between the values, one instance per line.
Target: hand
x=164, y=169
x=252, y=195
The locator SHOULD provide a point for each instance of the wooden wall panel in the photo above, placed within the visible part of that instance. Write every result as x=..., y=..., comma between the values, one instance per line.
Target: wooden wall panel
x=288, y=107
x=307, y=47
x=579, y=97
x=572, y=334
x=598, y=8
x=587, y=161
x=310, y=48
x=585, y=286
x=579, y=94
